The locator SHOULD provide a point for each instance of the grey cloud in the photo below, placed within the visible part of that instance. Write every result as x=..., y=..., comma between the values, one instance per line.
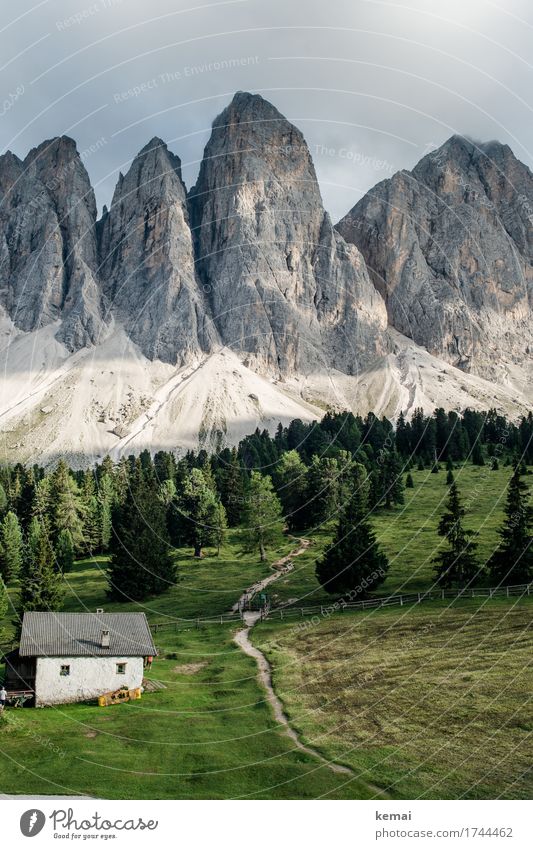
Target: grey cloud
x=373, y=85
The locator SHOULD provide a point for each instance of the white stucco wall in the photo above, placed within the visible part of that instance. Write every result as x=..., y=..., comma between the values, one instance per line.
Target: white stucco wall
x=89, y=677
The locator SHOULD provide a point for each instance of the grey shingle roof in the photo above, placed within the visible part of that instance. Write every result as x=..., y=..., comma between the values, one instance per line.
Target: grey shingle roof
x=80, y=634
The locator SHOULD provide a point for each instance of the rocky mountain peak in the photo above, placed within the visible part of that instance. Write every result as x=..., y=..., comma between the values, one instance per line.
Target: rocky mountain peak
x=449, y=247
x=147, y=260
x=282, y=285
x=48, y=256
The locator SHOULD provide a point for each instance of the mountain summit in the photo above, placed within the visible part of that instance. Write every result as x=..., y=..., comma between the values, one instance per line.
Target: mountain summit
x=284, y=288
x=183, y=319
x=449, y=247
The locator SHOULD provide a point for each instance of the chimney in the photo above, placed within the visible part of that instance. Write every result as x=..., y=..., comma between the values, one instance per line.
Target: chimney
x=105, y=639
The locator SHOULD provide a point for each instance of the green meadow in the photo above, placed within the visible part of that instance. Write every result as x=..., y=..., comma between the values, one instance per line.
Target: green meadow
x=429, y=702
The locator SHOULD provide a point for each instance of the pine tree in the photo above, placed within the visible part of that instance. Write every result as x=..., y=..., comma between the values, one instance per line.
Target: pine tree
x=64, y=552
x=66, y=506
x=231, y=483
x=141, y=564
x=221, y=525
x=42, y=587
x=91, y=513
x=449, y=477
x=457, y=563
x=291, y=486
x=322, y=485
x=512, y=562
x=262, y=515
x=4, y=607
x=391, y=480
x=353, y=562
x=477, y=454
x=409, y=483
x=10, y=547
x=107, y=499
x=197, y=509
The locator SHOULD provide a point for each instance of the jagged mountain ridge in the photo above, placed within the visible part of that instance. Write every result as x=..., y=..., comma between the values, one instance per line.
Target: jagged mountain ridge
x=248, y=273
x=450, y=247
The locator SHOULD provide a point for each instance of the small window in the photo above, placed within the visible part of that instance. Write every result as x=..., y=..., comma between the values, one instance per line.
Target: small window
x=121, y=668
x=64, y=669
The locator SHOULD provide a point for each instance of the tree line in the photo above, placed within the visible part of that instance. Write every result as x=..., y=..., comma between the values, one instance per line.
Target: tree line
x=343, y=468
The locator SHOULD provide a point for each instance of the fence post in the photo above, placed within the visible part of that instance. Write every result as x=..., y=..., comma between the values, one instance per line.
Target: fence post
x=401, y=601
x=507, y=592
x=419, y=598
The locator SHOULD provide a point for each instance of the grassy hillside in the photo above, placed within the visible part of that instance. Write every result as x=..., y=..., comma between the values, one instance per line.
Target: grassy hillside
x=424, y=702
x=408, y=534
x=432, y=702
x=208, y=735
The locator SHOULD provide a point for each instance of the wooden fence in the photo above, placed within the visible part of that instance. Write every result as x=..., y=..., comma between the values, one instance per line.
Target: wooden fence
x=341, y=605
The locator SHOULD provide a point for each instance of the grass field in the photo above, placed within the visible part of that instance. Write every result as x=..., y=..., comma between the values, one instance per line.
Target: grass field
x=432, y=702
x=408, y=534
x=205, y=588
x=208, y=735
x=429, y=702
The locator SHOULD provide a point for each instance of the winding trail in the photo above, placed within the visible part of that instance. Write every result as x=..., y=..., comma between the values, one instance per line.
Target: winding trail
x=242, y=639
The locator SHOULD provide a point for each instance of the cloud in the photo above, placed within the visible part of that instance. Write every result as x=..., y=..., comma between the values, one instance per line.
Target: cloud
x=371, y=84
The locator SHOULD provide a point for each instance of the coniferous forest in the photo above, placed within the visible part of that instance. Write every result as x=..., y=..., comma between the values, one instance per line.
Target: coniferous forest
x=340, y=472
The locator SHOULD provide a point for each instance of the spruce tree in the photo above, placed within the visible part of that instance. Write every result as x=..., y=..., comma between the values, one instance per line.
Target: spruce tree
x=512, y=562
x=66, y=505
x=291, y=486
x=4, y=607
x=322, y=485
x=91, y=514
x=141, y=564
x=354, y=561
x=64, y=552
x=10, y=547
x=477, y=454
x=3, y=500
x=197, y=512
x=449, y=478
x=41, y=586
x=262, y=515
x=221, y=525
x=107, y=499
x=456, y=563
x=409, y=483
x=231, y=483
x=391, y=480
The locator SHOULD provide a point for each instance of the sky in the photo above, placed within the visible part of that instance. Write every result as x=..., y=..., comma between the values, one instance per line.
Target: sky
x=372, y=84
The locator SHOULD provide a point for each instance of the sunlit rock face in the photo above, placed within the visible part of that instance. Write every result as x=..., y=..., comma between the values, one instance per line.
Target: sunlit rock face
x=284, y=288
x=147, y=260
x=48, y=253
x=449, y=247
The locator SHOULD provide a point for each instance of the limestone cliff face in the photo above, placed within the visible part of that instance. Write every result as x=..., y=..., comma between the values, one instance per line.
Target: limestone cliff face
x=48, y=256
x=449, y=246
x=147, y=260
x=284, y=288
